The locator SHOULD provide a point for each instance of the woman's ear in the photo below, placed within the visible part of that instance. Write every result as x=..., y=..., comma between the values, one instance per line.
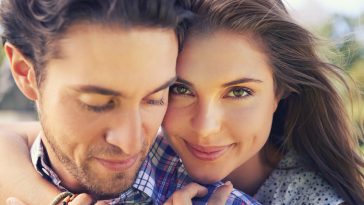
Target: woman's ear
x=22, y=71
x=281, y=95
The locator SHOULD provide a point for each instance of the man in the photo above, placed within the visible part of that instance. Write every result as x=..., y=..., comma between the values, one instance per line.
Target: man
x=98, y=72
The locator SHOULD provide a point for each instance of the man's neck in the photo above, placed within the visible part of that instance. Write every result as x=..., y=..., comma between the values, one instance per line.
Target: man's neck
x=68, y=181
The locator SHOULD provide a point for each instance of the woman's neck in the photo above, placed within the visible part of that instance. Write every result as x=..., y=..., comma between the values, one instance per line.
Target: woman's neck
x=252, y=174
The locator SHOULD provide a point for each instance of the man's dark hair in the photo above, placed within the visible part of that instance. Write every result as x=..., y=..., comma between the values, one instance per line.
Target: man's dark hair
x=34, y=25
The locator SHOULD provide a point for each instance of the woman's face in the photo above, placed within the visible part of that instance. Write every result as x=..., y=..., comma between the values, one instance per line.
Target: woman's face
x=221, y=107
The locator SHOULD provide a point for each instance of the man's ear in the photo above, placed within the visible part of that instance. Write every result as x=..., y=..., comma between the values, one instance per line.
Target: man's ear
x=23, y=71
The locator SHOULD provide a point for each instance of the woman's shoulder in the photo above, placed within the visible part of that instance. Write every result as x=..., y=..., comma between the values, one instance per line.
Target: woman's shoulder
x=292, y=183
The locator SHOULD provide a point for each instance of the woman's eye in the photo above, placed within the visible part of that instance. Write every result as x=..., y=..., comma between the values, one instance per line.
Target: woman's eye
x=239, y=92
x=179, y=89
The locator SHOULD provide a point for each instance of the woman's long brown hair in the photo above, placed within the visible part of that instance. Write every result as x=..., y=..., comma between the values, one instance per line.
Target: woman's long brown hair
x=312, y=113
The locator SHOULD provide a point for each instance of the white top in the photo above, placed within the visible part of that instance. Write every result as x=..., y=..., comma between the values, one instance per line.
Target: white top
x=292, y=183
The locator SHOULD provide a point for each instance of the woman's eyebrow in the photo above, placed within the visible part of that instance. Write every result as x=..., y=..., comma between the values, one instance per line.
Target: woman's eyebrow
x=242, y=80
x=181, y=80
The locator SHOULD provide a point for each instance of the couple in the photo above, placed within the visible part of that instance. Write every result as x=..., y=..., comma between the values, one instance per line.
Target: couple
x=250, y=102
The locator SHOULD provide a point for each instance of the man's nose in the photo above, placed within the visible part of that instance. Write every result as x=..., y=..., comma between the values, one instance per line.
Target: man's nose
x=127, y=132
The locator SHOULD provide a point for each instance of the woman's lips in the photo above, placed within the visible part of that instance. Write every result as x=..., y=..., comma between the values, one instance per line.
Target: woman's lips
x=118, y=165
x=208, y=153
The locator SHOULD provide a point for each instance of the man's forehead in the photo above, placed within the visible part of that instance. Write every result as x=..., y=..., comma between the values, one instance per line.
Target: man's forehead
x=116, y=62
x=96, y=30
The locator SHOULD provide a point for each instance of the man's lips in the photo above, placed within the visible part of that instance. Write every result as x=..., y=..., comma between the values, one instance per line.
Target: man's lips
x=208, y=153
x=118, y=165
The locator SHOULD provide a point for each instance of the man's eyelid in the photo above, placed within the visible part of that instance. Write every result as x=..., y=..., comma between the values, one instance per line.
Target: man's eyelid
x=98, y=108
x=110, y=102
x=96, y=99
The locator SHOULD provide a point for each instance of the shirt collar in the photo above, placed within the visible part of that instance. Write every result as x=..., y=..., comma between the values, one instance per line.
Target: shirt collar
x=142, y=187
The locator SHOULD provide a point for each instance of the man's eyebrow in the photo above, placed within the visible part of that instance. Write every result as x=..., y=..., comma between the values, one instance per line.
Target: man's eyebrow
x=241, y=80
x=164, y=85
x=97, y=90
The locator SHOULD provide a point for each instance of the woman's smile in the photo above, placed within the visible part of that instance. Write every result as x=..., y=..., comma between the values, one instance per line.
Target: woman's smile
x=207, y=153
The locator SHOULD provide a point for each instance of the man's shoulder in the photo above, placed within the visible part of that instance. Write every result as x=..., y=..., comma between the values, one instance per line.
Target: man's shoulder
x=165, y=169
x=162, y=153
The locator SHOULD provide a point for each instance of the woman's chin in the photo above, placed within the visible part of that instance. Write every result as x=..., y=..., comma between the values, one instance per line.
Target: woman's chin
x=206, y=177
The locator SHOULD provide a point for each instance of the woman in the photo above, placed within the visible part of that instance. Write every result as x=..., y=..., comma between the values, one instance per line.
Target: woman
x=245, y=66
x=255, y=104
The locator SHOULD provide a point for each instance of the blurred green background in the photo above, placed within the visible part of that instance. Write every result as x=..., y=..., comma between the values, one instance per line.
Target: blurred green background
x=341, y=25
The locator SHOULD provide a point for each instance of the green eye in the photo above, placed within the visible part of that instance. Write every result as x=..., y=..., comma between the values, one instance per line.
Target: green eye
x=179, y=89
x=239, y=92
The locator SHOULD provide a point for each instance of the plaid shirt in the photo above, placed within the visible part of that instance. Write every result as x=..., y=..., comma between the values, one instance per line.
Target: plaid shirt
x=159, y=176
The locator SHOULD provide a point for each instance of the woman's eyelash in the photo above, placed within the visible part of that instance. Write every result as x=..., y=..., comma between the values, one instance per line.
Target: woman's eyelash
x=180, y=89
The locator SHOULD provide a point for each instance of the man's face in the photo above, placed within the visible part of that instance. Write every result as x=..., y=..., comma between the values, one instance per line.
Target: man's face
x=102, y=103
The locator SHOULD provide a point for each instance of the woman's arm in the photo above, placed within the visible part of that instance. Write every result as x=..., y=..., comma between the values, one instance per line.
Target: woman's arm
x=18, y=178
x=27, y=131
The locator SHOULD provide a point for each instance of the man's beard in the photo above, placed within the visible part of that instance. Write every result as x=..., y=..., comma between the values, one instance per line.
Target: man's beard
x=88, y=178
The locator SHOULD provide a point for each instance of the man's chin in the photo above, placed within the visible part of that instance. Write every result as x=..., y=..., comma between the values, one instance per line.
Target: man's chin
x=103, y=193
x=111, y=185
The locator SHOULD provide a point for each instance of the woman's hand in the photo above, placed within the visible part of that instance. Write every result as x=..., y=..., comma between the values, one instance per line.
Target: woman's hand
x=184, y=196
